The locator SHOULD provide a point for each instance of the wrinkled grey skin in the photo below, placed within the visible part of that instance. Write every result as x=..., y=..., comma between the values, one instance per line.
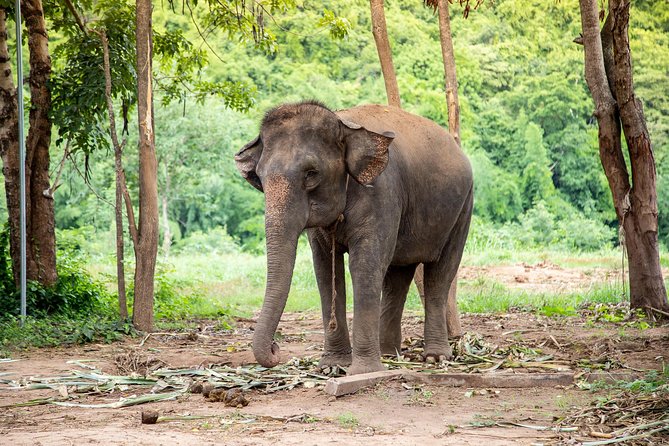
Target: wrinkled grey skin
x=408, y=201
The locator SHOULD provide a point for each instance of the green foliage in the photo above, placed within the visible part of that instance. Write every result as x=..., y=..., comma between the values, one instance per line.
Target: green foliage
x=617, y=314
x=337, y=26
x=215, y=241
x=177, y=299
x=77, y=85
x=536, y=179
x=527, y=120
x=497, y=195
x=553, y=225
x=552, y=311
x=348, y=420
x=55, y=331
x=652, y=382
x=75, y=292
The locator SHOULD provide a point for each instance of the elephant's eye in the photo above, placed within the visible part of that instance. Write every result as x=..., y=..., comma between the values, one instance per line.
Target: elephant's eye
x=311, y=179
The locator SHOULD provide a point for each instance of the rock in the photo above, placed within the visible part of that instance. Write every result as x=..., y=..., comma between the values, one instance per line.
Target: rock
x=150, y=417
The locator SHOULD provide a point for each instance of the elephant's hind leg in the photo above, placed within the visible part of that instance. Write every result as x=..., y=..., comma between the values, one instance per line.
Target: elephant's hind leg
x=438, y=278
x=395, y=288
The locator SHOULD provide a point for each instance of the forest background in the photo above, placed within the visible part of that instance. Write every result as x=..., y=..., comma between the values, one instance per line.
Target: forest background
x=527, y=127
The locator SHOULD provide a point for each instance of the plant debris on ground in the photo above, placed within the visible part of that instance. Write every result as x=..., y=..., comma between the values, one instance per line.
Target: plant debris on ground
x=637, y=415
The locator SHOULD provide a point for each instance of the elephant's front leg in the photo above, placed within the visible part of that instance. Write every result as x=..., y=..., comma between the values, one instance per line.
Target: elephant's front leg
x=337, y=349
x=367, y=273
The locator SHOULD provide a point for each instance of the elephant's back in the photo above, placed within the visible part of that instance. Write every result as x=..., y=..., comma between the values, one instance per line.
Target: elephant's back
x=421, y=144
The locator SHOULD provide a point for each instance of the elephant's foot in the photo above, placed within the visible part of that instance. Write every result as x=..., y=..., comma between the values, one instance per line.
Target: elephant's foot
x=437, y=355
x=359, y=367
x=391, y=349
x=331, y=359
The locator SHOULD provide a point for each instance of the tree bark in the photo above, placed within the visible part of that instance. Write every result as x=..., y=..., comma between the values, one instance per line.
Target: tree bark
x=450, y=78
x=636, y=204
x=647, y=289
x=380, y=33
x=146, y=248
x=167, y=232
x=40, y=216
x=9, y=146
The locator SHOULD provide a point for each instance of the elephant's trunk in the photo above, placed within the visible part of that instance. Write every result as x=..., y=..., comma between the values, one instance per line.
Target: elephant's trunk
x=282, y=235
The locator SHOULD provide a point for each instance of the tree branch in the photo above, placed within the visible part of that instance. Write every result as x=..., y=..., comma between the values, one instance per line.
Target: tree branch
x=77, y=16
x=56, y=182
x=118, y=147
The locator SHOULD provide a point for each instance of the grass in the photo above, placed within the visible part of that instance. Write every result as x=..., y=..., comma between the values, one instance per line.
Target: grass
x=235, y=283
x=348, y=420
x=489, y=296
x=55, y=331
x=217, y=286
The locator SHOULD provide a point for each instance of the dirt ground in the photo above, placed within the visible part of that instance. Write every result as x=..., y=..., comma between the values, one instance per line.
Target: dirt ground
x=392, y=412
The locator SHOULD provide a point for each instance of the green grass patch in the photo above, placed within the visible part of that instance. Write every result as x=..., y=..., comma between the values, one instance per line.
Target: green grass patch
x=489, y=296
x=55, y=331
x=216, y=285
x=348, y=420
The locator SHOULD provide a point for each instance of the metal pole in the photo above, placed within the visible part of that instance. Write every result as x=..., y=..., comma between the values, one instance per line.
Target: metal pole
x=22, y=156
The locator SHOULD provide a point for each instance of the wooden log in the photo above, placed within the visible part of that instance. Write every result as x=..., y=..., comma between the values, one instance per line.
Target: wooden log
x=612, y=377
x=492, y=380
x=351, y=384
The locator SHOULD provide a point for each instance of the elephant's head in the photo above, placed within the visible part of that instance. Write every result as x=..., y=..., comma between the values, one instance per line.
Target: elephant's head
x=301, y=160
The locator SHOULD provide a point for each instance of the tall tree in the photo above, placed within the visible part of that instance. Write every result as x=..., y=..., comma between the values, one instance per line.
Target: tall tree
x=635, y=201
x=146, y=248
x=380, y=32
x=40, y=218
x=450, y=77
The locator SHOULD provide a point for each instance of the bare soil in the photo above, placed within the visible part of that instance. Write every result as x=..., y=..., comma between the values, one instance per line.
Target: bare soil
x=392, y=412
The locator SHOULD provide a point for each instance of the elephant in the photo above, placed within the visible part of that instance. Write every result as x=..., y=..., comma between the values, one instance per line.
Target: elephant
x=389, y=188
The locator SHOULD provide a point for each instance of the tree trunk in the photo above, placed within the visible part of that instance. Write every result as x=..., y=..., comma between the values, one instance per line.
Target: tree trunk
x=9, y=146
x=40, y=216
x=636, y=205
x=647, y=288
x=167, y=233
x=146, y=248
x=120, y=181
x=450, y=78
x=385, y=54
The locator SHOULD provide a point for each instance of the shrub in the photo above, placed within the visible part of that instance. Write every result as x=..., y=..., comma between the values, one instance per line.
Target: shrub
x=75, y=292
x=214, y=241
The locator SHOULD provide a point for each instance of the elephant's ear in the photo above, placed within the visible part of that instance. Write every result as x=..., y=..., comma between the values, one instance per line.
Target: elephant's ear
x=366, y=152
x=246, y=161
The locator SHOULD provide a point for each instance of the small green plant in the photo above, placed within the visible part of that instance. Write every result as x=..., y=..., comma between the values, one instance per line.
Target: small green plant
x=421, y=397
x=553, y=311
x=178, y=299
x=75, y=292
x=60, y=330
x=617, y=314
x=653, y=381
x=348, y=420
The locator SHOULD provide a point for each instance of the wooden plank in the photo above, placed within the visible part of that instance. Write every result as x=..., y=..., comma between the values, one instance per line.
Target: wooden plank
x=492, y=380
x=612, y=377
x=351, y=384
